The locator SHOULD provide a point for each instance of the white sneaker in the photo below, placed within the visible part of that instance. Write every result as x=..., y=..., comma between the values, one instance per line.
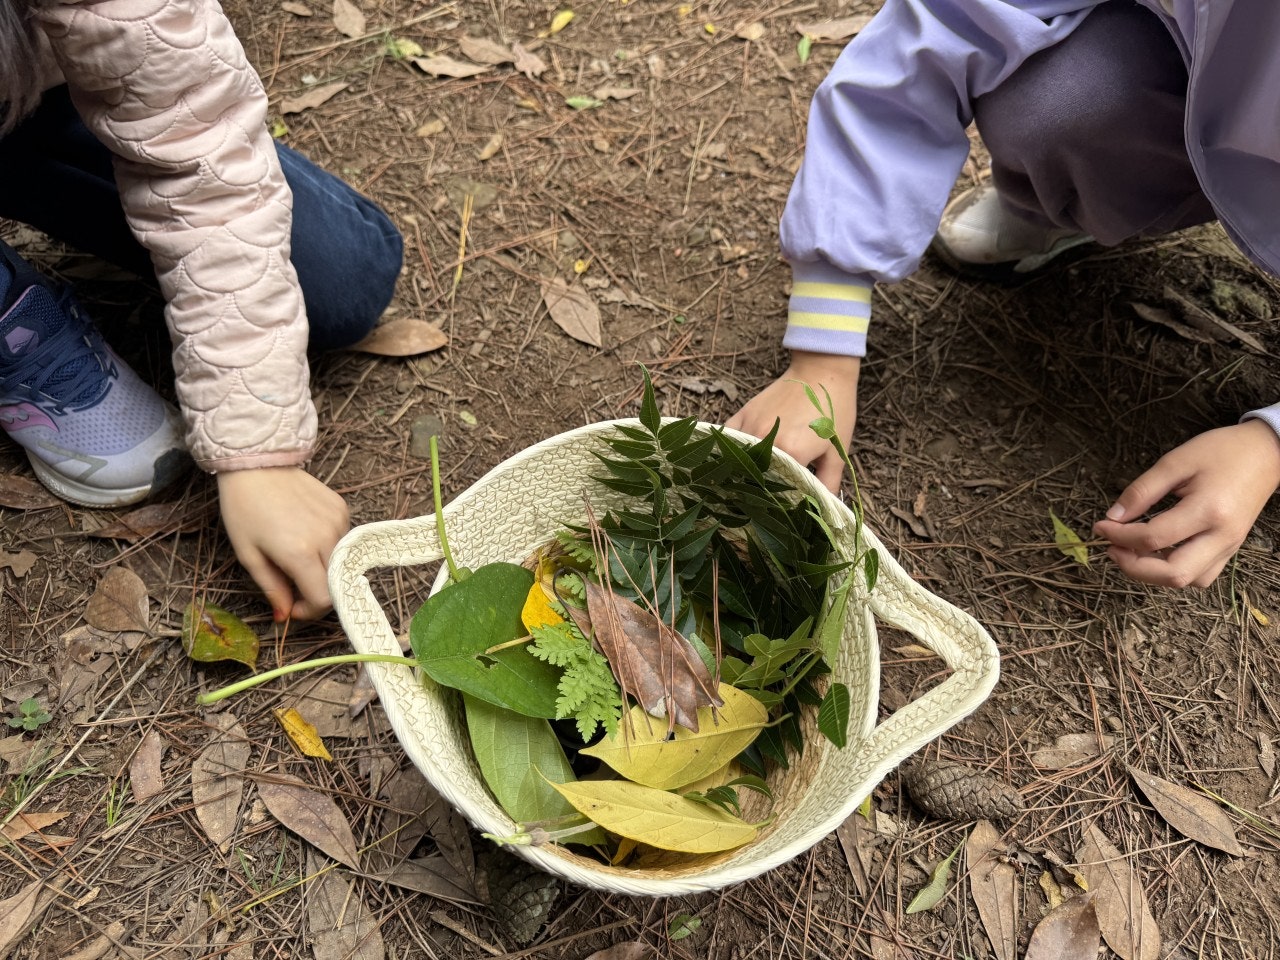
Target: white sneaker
x=978, y=234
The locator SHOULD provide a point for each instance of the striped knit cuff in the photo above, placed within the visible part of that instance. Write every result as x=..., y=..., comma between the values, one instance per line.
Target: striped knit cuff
x=1270, y=415
x=829, y=310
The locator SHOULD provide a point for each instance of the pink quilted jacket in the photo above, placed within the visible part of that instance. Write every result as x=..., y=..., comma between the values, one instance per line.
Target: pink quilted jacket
x=166, y=86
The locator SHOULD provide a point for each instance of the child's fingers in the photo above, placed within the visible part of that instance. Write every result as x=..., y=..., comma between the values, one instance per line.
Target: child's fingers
x=310, y=576
x=1194, y=564
x=273, y=582
x=1178, y=524
x=1148, y=489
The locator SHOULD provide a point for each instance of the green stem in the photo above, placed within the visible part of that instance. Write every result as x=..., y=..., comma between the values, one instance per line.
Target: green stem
x=249, y=683
x=435, y=495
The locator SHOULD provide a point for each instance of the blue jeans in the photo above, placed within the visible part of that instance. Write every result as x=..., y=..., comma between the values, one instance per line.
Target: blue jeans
x=57, y=177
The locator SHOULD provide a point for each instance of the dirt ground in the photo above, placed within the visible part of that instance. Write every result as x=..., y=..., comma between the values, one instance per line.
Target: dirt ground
x=983, y=409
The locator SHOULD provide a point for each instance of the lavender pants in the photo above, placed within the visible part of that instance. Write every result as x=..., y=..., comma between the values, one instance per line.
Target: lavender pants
x=1088, y=135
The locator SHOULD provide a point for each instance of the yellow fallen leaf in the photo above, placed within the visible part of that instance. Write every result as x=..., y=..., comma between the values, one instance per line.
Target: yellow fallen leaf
x=639, y=750
x=656, y=817
x=301, y=734
x=1262, y=618
x=684, y=10
x=1069, y=541
x=710, y=28
x=537, y=611
x=1052, y=892
x=559, y=22
x=580, y=266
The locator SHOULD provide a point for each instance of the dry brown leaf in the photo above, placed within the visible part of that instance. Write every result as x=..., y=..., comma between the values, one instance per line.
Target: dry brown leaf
x=23, y=493
x=635, y=950
x=100, y=946
x=412, y=807
x=404, y=337
x=313, y=97
x=452, y=835
x=152, y=520
x=1123, y=914
x=442, y=66
x=433, y=876
x=339, y=921
x=145, y=777
x=652, y=662
x=855, y=836
x=490, y=149
x=217, y=779
x=1068, y=932
x=297, y=9
x=119, y=603
x=1164, y=318
x=1189, y=812
x=325, y=705
x=1211, y=323
x=485, y=51
x=994, y=886
x=25, y=824
x=573, y=310
x=348, y=18
x=20, y=563
x=615, y=93
x=841, y=29
x=530, y=64
x=1071, y=750
x=312, y=816
x=1266, y=755
x=19, y=912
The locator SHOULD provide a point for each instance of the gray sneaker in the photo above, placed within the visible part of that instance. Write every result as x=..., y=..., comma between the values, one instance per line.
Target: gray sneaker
x=978, y=235
x=94, y=432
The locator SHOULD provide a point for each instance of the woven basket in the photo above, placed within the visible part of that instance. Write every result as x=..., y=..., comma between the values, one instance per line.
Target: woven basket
x=515, y=509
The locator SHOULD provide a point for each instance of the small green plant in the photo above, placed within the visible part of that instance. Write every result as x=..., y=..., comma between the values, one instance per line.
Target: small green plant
x=115, y=804
x=32, y=777
x=31, y=715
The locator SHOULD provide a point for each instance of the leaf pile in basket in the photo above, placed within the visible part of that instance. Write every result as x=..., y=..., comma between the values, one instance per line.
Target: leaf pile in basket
x=665, y=648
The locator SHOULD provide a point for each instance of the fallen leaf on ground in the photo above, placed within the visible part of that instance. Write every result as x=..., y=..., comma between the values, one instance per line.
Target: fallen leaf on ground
x=20, y=563
x=430, y=128
x=1068, y=541
x=348, y=18
x=573, y=310
x=211, y=634
x=635, y=950
x=615, y=93
x=325, y=705
x=1068, y=932
x=931, y=893
x=217, y=779
x=152, y=520
x=530, y=64
x=855, y=836
x=993, y=884
x=23, y=493
x=145, y=776
x=559, y=22
x=1072, y=749
x=20, y=912
x=405, y=337
x=297, y=9
x=1266, y=755
x=749, y=31
x=340, y=923
x=311, y=815
x=412, y=806
x=301, y=734
x=313, y=97
x=1189, y=812
x=103, y=944
x=834, y=29
x=433, y=876
x=490, y=149
x=1123, y=913
x=25, y=824
x=1211, y=323
x=1164, y=318
x=485, y=51
x=119, y=602
x=442, y=66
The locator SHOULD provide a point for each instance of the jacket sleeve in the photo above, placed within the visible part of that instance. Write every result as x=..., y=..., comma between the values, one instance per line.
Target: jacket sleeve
x=886, y=140
x=166, y=86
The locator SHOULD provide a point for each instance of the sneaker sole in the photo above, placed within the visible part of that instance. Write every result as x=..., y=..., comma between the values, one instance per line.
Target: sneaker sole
x=1013, y=272
x=168, y=468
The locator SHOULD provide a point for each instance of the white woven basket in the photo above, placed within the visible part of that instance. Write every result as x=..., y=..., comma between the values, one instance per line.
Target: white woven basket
x=516, y=508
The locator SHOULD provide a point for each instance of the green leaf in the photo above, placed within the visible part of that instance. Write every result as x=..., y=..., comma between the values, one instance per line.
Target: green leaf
x=824, y=427
x=583, y=102
x=871, y=568
x=682, y=925
x=804, y=47
x=931, y=893
x=1069, y=541
x=517, y=755
x=752, y=783
x=455, y=627
x=831, y=628
x=833, y=715
x=211, y=634
x=649, y=415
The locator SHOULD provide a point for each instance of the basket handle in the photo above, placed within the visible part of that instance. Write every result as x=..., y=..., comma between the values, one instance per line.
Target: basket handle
x=955, y=636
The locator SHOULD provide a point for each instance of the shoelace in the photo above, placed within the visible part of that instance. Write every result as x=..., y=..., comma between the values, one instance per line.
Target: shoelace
x=77, y=354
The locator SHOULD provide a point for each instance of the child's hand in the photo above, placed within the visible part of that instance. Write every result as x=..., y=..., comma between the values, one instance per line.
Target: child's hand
x=1222, y=479
x=283, y=524
x=785, y=399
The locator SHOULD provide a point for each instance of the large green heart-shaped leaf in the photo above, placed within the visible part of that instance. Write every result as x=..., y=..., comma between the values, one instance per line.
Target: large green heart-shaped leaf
x=453, y=630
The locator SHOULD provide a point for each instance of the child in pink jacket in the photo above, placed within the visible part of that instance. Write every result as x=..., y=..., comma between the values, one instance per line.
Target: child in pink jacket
x=1105, y=119
x=136, y=130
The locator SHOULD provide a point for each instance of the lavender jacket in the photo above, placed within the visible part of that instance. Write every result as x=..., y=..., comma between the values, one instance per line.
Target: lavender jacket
x=886, y=140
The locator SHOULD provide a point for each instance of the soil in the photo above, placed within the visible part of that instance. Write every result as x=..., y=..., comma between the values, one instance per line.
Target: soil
x=983, y=409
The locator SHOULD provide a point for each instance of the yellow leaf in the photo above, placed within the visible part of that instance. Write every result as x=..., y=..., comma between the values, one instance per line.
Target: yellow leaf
x=302, y=734
x=278, y=129
x=537, y=610
x=656, y=817
x=716, y=778
x=1262, y=618
x=1052, y=892
x=1068, y=541
x=710, y=28
x=580, y=266
x=559, y=22
x=639, y=750
x=864, y=808
x=684, y=10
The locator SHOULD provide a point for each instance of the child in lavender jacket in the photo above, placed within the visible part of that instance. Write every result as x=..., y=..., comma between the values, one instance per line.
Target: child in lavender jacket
x=1105, y=119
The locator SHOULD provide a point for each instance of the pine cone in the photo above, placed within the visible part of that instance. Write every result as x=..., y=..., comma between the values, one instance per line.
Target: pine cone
x=952, y=791
x=520, y=895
